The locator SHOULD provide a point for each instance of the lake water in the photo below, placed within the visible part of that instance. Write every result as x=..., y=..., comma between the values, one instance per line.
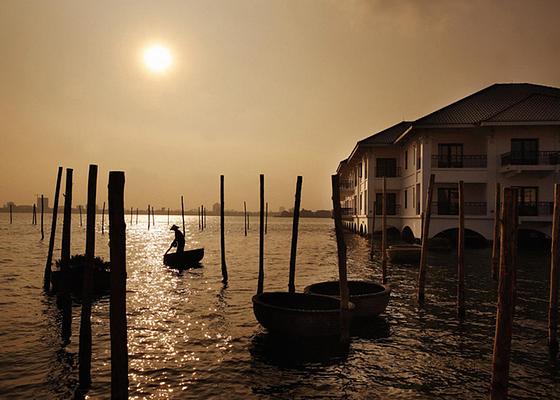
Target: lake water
x=189, y=337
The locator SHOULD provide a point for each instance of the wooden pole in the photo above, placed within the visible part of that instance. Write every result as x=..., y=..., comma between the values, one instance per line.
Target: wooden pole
x=204, y=220
x=266, y=219
x=11, y=220
x=425, y=234
x=42, y=217
x=295, y=229
x=153, y=217
x=136, y=215
x=372, y=231
x=461, y=255
x=245, y=215
x=198, y=214
x=248, y=215
x=496, y=236
x=103, y=220
x=183, y=215
x=506, y=290
x=554, y=266
x=80, y=211
x=148, y=217
x=342, y=273
x=47, y=274
x=202, y=216
x=260, y=288
x=131, y=213
x=167, y=215
x=117, y=307
x=222, y=232
x=87, y=284
x=384, y=232
x=34, y=216
x=65, y=300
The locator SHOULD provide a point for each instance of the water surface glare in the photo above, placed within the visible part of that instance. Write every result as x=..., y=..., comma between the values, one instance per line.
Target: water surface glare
x=190, y=337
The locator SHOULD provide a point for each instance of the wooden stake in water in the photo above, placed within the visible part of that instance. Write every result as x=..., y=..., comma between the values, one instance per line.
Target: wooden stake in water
x=117, y=309
x=496, y=237
x=131, y=212
x=34, y=216
x=167, y=216
x=148, y=217
x=65, y=300
x=11, y=220
x=47, y=274
x=103, y=220
x=295, y=229
x=372, y=231
x=461, y=255
x=42, y=217
x=554, y=266
x=136, y=215
x=153, y=217
x=342, y=273
x=506, y=296
x=425, y=235
x=202, y=216
x=266, y=219
x=87, y=284
x=245, y=214
x=222, y=232
x=205, y=213
x=80, y=212
x=260, y=287
x=183, y=215
x=384, y=232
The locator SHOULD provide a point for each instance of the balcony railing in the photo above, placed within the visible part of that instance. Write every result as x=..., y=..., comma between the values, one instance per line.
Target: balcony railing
x=540, y=208
x=459, y=161
x=347, y=185
x=531, y=158
x=448, y=208
x=387, y=172
x=347, y=212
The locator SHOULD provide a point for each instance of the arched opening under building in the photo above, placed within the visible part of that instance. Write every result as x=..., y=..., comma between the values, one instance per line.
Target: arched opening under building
x=473, y=239
x=407, y=235
x=530, y=238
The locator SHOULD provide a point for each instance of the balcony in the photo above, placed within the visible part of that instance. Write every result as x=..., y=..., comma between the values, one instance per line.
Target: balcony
x=449, y=208
x=459, y=161
x=531, y=158
x=388, y=172
x=535, y=209
x=347, y=212
x=347, y=187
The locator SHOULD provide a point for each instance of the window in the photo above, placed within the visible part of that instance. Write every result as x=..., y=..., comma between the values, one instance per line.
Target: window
x=406, y=159
x=391, y=206
x=525, y=151
x=417, y=199
x=418, y=157
x=359, y=170
x=405, y=198
x=365, y=168
x=448, y=201
x=386, y=167
x=450, y=155
x=527, y=198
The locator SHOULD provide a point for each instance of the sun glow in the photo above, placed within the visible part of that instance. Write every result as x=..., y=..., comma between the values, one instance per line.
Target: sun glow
x=157, y=58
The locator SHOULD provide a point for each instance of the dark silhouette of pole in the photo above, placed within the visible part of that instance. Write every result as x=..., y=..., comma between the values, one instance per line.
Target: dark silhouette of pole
x=222, y=232
x=167, y=216
x=384, y=232
x=295, y=228
x=47, y=274
x=11, y=219
x=87, y=284
x=42, y=217
x=372, y=231
x=554, y=266
x=261, y=235
x=103, y=220
x=425, y=235
x=117, y=309
x=342, y=273
x=496, y=236
x=34, y=216
x=153, y=217
x=266, y=219
x=65, y=300
x=506, y=296
x=204, y=220
x=183, y=215
x=131, y=212
x=136, y=215
x=80, y=211
x=202, y=216
x=245, y=214
x=461, y=255
x=148, y=217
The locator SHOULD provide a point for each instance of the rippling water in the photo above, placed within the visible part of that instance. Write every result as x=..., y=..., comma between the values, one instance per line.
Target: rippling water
x=189, y=337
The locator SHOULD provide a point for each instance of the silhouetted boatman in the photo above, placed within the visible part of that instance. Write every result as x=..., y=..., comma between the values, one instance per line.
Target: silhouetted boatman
x=179, y=241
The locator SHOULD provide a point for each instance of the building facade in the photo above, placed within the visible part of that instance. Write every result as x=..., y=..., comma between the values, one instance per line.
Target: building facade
x=505, y=133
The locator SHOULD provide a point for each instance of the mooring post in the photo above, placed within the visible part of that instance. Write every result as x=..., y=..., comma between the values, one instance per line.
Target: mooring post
x=384, y=232
x=87, y=284
x=183, y=215
x=554, y=266
x=425, y=234
x=117, y=307
x=266, y=219
x=148, y=217
x=131, y=212
x=47, y=274
x=167, y=215
x=198, y=214
x=222, y=232
x=506, y=301
x=245, y=215
x=103, y=220
x=248, y=215
x=11, y=220
x=461, y=255
x=42, y=217
x=34, y=216
x=153, y=217
x=205, y=214
x=136, y=215
x=80, y=212
x=496, y=236
x=372, y=231
x=65, y=300
x=261, y=235
x=342, y=273
x=295, y=229
x=202, y=216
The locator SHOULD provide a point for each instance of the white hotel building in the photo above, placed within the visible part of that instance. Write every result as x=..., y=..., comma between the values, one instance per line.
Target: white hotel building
x=506, y=133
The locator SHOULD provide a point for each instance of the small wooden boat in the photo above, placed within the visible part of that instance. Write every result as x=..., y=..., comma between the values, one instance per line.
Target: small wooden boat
x=298, y=314
x=369, y=298
x=184, y=260
x=404, y=253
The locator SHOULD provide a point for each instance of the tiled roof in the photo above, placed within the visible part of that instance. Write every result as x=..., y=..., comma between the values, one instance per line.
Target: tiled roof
x=387, y=136
x=537, y=108
x=497, y=99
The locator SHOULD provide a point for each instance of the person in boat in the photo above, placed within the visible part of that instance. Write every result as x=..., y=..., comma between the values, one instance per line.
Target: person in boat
x=179, y=241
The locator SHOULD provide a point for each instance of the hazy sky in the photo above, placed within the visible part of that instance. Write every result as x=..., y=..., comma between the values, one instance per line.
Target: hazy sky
x=275, y=87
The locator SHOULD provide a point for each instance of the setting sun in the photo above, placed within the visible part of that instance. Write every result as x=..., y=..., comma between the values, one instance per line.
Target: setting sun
x=157, y=58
